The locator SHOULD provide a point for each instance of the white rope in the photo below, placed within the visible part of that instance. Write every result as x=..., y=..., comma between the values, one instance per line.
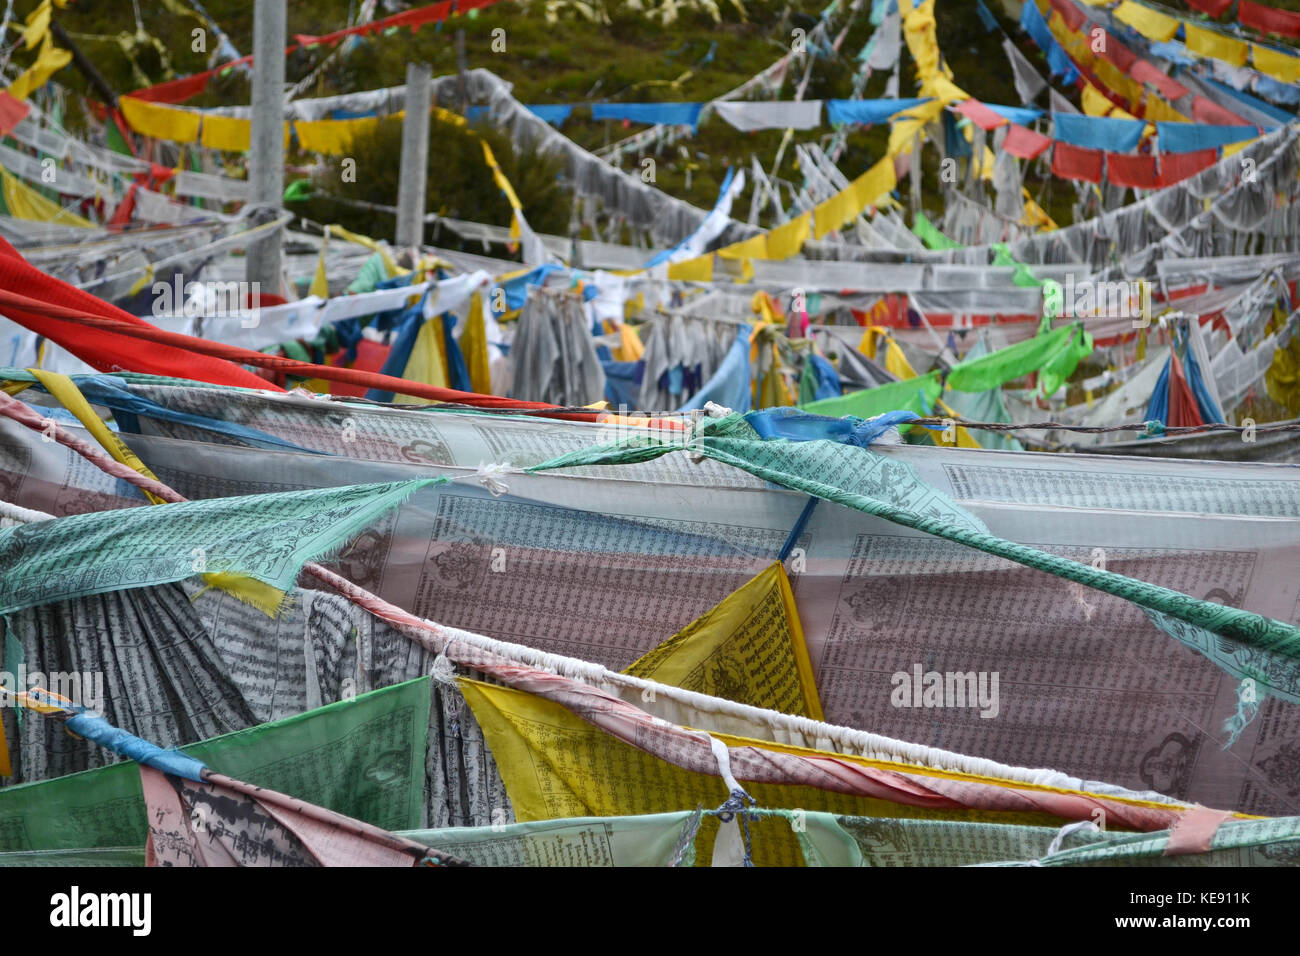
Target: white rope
x=489, y=476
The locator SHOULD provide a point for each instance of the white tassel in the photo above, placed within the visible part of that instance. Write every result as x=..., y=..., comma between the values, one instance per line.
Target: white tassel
x=489, y=475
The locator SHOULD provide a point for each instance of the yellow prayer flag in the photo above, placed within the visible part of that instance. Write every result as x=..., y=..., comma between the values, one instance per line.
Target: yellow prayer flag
x=754, y=247
x=555, y=764
x=1150, y=23
x=502, y=183
x=699, y=269
x=473, y=344
x=428, y=361
x=24, y=202
x=226, y=132
x=1158, y=111
x=748, y=648
x=49, y=61
x=629, y=348
x=896, y=363
x=919, y=32
x=1216, y=45
x=787, y=239
x=1233, y=148
x=875, y=183
x=1095, y=102
x=161, y=122
x=333, y=137
x=1281, y=66
x=320, y=283
x=38, y=24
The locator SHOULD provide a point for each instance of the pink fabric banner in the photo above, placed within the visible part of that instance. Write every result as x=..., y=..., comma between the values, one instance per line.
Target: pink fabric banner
x=1024, y=143
x=223, y=822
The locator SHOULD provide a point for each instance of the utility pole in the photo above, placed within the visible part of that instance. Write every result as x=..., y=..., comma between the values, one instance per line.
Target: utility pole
x=462, y=81
x=415, y=157
x=266, y=152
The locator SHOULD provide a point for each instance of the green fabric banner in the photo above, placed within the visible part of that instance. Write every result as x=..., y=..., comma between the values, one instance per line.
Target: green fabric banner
x=362, y=757
x=928, y=233
x=913, y=394
x=1059, y=350
x=1054, y=355
x=267, y=537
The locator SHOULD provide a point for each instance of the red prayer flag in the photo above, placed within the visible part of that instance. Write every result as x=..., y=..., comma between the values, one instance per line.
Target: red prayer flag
x=1071, y=14
x=1119, y=54
x=1268, y=20
x=1024, y=143
x=12, y=112
x=1183, y=409
x=1144, y=71
x=175, y=91
x=1175, y=167
x=435, y=13
x=1214, y=8
x=978, y=113
x=1138, y=172
x=1211, y=113
x=1075, y=162
x=105, y=349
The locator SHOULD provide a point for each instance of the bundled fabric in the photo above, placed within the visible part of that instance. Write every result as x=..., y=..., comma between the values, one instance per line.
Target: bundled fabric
x=555, y=357
x=730, y=385
x=449, y=576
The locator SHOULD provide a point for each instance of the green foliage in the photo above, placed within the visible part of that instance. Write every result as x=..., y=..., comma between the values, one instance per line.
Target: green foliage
x=621, y=50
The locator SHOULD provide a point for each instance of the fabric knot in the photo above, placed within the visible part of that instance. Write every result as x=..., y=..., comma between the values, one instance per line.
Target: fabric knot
x=443, y=671
x=489, y=475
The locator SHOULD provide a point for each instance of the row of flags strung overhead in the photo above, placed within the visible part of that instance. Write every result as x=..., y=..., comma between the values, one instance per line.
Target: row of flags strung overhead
x=1285, y=23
